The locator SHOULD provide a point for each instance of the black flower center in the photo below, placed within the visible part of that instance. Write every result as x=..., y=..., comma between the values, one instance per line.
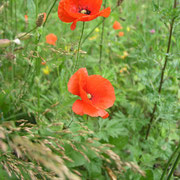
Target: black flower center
x=85, y=11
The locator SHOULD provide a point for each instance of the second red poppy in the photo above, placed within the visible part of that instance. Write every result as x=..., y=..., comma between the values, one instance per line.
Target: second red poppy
x=96, y=93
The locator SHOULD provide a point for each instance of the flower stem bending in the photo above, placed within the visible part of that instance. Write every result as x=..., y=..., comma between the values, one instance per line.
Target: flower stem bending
x=28, y=32
x=162, y=74
x=79, y=46
x=49, y=12
x=118, y=4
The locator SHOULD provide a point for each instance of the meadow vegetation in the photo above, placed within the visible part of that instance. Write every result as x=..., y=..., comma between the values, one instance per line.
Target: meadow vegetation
x=136, y=48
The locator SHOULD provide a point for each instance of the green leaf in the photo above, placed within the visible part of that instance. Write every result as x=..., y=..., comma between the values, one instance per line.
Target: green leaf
x=149, y=175
x=110, y=128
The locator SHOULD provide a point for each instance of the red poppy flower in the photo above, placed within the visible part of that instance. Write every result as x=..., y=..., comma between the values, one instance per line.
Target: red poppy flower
x=121, y=34
x=96, y=92
x=117, y=25
x=80, y=10
x=51, y=39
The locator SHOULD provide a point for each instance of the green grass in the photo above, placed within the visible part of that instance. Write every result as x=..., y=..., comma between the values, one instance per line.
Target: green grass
x=43, y=146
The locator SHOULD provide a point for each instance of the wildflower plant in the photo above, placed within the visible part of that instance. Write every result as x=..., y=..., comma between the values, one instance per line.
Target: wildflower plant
x=88, y=104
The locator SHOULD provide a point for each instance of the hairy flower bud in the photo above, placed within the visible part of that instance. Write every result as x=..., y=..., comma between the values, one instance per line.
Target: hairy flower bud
x=40, y=20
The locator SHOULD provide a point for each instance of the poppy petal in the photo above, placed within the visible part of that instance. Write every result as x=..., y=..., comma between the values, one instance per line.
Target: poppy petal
x=117, y=25
x=93, y=6
x=104, y=13
x=77, y=80
x=102, y=91
x=81, y=108
x=62, y=13
x=51, y=39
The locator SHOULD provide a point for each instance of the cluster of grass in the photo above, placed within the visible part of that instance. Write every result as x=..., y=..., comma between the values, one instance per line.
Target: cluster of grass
x=40, y=136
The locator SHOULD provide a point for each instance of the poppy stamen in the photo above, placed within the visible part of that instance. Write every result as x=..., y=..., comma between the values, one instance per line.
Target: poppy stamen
x=89, y=96
x=85, y=11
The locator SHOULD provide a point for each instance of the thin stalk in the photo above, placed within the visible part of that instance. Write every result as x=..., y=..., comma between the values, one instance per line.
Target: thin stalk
x=38, y=63
x=101, y=42
x=28, y=32
x=79, y=46
x=16, y=23
x=49, y=12
x=37, y=8
x=28, y=71
x=92, y=31
x=174, y=167
x=169, y=161
x=59, y=81
x=5, y=20
x=70, y=123
x=11, y=12
x=97, y=26
x=162, y=73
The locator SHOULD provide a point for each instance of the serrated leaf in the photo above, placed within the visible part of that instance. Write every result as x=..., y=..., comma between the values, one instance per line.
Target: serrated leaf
x=110, y=128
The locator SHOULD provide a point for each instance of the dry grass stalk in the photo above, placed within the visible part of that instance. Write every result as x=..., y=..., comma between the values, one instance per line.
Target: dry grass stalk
x=51, y=161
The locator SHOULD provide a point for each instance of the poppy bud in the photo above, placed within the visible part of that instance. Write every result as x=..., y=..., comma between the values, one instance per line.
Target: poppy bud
x=4, y=43
x=40, y=20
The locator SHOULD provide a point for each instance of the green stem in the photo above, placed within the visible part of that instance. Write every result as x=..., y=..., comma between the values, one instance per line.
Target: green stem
x=79, y=46
x=38, y=64
x=92, y=31
x=28, y=71
x=5, y=20
x=16, y=23
x=49, y=12
x=11, y=9
x=72, y=118
x=174, y=167
x=97, y=26
x=169, y=161
x=28, y=32
x=36, y=8
x=162, y=74
x=101, y=42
